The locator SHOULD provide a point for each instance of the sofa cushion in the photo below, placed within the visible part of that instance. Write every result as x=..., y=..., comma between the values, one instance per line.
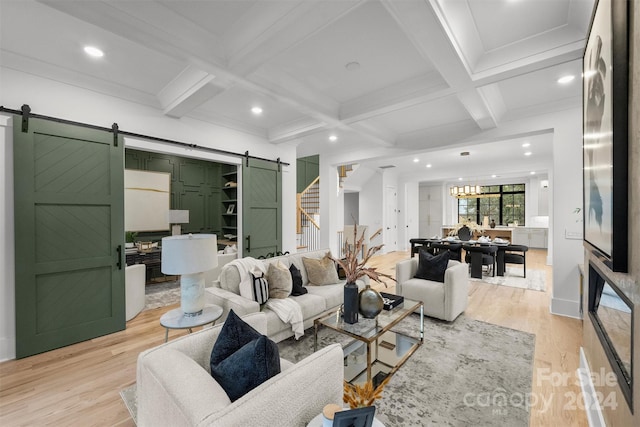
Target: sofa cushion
x=242, y=358
x=248, y=367
x=296, y=281
x=280, y=281
x=321, y=271
x=332, y=294
x=432, y=267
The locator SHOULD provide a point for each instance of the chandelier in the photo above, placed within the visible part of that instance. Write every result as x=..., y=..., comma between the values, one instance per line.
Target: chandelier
x=465, y=191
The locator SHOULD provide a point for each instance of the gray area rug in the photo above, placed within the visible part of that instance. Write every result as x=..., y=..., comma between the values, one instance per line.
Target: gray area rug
x=467, y=373
x=161, y=294
x=535, y=279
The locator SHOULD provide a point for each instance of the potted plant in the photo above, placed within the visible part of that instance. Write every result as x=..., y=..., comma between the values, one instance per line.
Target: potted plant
x=130, y=239
x=355, y=269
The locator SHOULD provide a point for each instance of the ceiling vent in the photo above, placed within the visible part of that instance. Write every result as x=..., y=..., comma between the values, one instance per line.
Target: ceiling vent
x=464, y=153
x=387, y=166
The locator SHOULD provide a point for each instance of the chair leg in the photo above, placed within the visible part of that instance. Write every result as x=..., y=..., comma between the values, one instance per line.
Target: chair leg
x=524, y=265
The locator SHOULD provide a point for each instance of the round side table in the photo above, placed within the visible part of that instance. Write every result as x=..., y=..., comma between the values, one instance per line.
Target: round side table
x=175, y=319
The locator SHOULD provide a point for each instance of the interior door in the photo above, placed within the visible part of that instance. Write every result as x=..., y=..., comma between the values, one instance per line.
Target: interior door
x=69, y=228
x=391, y=219
x=430, y=211
x=261, y=207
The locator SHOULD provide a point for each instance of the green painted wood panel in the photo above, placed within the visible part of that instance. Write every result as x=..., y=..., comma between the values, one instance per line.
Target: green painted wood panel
x=195, y=186
x=262, y=208
x=69, y=223
x=307, y=169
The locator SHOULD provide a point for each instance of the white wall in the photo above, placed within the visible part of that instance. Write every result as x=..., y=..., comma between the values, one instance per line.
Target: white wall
x=7, y=270
x=56, y=99
x=351, y=207
x=372, y=206
x=566, y=195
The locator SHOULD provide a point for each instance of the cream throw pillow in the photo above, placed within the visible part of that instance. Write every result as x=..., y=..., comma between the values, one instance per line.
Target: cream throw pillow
x=280, y=282
x=321, y=271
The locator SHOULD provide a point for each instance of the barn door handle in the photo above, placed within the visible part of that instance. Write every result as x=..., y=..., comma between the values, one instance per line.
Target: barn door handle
x=119, y=250
x=249, y=243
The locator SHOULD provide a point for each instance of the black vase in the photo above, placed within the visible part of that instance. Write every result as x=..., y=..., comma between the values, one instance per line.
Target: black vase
x=350, y=307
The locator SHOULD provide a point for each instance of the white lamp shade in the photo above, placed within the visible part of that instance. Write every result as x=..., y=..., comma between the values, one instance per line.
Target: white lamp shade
x=175, y=216
x=189, y=254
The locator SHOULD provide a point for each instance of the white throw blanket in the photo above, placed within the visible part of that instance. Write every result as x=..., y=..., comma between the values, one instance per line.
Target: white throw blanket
x=286, y=309
x=289, y=312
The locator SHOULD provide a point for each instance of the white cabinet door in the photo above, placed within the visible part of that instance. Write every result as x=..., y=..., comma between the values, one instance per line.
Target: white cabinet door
x=538, y=238
x=520, y=236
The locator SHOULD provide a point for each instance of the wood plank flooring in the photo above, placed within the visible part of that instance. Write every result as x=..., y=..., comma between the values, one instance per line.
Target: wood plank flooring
x=79, y=385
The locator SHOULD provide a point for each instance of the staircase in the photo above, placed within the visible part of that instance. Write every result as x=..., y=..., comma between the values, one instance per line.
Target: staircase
x=308, y=217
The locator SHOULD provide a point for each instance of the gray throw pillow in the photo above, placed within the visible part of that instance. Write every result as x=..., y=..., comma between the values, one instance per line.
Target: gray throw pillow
x=280, y=282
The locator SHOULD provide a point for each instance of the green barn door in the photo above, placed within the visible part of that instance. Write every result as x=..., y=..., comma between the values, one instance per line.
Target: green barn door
x=261, y=208
x=69, y=228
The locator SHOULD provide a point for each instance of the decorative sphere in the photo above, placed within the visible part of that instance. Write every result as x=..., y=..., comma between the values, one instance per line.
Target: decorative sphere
x=371, y=303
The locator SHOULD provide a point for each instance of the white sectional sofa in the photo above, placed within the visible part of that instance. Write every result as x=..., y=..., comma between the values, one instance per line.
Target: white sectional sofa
x=175, y=387
x=316, y=301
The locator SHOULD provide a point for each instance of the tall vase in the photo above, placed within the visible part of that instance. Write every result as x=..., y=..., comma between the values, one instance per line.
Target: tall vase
x=350, y=308
x=371, y=303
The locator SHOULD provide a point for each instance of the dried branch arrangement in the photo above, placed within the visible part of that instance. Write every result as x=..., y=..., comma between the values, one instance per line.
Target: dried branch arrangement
x=358, y=396
x=355, y=269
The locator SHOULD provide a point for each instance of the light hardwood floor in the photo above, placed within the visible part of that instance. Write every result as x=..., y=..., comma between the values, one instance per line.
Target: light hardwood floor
x=78, y=385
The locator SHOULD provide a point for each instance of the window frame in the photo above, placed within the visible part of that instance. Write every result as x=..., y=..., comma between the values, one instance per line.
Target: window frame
x=503, y=191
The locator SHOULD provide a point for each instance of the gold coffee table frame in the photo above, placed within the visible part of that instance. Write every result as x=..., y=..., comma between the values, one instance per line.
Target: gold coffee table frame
x=370, y=333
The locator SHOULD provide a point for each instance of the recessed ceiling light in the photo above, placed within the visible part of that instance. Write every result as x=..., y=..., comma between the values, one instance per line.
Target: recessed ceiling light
x=429, y=165
x=459, y=179
x=416, y=160
x=333, y=138
x=93, y=51
x=533, y=172
x=526, y=144
x=566, y=79
x=256, y=110
x=494, y=176
x=528, y=153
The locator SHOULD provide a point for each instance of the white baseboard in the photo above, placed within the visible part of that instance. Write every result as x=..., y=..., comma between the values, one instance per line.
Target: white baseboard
x=593, y=410
x=563, y=307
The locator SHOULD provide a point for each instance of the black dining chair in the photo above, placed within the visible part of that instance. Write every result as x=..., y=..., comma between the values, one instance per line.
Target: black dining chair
x=480, y=255
x=516, y=254
x=455, y=249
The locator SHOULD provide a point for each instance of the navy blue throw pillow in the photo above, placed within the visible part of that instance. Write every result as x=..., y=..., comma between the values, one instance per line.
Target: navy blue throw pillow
x=234, y=335
x=296, y=277
x=247, y=368
x=432, y=267
x=242, y=358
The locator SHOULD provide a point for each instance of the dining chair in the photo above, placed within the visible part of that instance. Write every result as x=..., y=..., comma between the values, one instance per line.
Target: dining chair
x=516, y=254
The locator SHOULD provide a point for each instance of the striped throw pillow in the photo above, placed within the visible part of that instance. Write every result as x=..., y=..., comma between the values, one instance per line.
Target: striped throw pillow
x=260, y=288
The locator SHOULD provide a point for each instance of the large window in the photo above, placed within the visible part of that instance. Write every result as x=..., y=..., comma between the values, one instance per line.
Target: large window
x=503, y=204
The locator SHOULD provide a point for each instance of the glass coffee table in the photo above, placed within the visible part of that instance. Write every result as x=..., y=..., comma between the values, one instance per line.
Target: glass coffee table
x=374, y=350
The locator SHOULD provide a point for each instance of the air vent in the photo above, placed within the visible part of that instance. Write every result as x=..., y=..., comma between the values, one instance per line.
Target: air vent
x=464, y=153
x=387, y=167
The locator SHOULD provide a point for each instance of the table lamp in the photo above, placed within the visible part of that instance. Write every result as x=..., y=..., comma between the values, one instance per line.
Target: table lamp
x=189, y=256
x=175, y=217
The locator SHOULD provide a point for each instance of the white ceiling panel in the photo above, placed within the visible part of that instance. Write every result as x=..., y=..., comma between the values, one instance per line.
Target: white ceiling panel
x=542, y=87
x=426, y=115
x=516, y=19
x=216, y=17
x=36, y=31
x=369, y=36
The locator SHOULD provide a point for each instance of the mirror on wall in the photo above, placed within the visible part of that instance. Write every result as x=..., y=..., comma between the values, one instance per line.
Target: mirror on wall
x=611, y=313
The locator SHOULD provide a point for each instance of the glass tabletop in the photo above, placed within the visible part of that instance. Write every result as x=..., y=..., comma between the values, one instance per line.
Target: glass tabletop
x=369, y=330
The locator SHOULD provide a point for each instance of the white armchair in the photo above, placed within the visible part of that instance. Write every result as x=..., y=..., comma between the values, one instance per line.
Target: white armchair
x=134, y=283
x=175, y=387
x=441, y=300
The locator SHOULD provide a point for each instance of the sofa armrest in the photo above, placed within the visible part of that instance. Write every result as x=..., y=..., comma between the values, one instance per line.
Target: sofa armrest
x=230, y=301
x=405, y=270
x=456, y=288
x=302, y=391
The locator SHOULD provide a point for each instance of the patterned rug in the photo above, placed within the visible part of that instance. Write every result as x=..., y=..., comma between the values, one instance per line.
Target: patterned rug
x=535, y=279
x=467, y=373
x=161, y=294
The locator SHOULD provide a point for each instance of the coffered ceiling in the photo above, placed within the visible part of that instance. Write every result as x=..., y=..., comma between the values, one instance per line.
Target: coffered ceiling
x=390, y=78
